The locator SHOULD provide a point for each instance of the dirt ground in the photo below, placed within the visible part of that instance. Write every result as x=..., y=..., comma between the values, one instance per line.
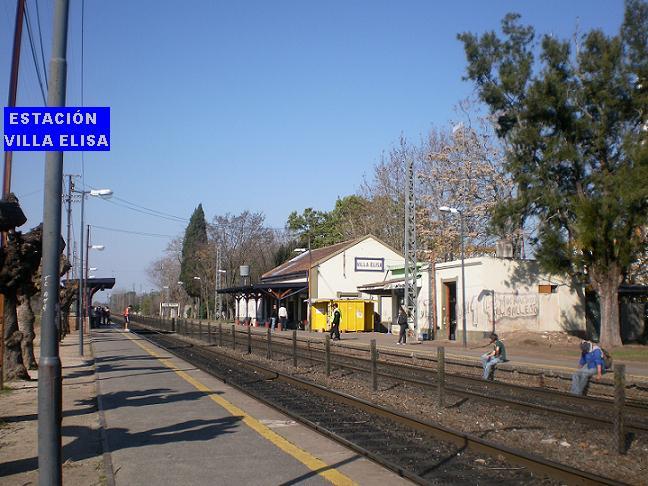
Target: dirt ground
x=82, y=448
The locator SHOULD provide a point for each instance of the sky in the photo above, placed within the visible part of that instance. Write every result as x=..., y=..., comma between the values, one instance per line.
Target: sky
x=266, y=106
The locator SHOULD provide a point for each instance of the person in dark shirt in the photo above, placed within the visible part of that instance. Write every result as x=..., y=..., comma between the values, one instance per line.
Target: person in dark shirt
x=590, y=364
x=497, y=355
x=402, y=322
x=335, y=324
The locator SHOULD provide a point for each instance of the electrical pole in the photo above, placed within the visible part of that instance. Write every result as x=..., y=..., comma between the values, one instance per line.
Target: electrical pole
x=49, y=369
x=6, y=181
x=411, y=271
x=218, y=297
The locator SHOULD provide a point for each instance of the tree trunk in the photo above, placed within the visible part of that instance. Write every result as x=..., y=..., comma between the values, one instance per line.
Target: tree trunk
x=606, y=283
x=26, y=319
x=14, y=369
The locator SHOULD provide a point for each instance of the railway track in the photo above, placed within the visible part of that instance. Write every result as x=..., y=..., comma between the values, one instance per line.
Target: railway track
x=423, y=452
x=592, y=410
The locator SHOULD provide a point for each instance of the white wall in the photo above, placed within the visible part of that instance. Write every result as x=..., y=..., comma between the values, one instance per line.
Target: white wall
x=518, y=303
x=338, y=274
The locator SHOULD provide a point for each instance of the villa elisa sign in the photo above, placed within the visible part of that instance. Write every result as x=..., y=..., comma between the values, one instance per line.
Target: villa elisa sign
x=56, y=129
x=363, y=264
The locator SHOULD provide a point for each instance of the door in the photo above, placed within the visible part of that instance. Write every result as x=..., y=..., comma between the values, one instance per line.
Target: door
x=449, y=308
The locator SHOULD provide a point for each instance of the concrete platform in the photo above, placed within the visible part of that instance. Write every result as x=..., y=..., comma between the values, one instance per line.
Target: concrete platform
x=169, y=423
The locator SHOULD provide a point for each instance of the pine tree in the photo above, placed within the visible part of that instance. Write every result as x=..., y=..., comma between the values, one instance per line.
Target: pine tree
x=195, y=239
x=574, y=123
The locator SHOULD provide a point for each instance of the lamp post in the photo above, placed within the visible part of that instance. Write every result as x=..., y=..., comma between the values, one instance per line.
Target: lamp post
x=181, y=310
x=165, y=287
x=86, y=294
x=83, y=194
x=200, y=296
x=447, y=209
x=308, y=279
x=217, y=297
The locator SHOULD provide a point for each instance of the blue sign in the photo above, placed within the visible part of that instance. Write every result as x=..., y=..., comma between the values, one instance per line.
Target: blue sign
x=56, y=129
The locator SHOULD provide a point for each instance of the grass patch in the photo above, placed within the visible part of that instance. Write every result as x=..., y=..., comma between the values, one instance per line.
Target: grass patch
x=633, y=354
x=5, y=390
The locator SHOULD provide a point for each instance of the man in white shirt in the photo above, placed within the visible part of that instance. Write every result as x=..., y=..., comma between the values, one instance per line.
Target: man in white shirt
x=283, y=316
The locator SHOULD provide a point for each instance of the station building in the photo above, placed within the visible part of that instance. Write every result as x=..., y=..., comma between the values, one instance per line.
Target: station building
x=502, y=294
x=331, y=273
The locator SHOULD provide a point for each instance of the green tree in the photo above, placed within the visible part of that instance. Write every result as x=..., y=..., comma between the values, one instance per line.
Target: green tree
x=195, y=240
x=573, y=119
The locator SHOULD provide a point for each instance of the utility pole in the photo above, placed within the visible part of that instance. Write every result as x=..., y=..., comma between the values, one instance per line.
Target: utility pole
x=68, y=201
x=411, y=271
x=49, y=372
x=218, y=297
x=8, y=157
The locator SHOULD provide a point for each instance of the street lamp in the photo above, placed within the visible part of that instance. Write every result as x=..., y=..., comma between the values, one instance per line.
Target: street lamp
x=200, y=296
x=308, y=278
x=104, y=193
x=447, y=209
x=217, y=297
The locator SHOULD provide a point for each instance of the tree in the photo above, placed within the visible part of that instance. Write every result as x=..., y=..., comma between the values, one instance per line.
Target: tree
x=19, y=261
x=574, y=124
x=195, y=239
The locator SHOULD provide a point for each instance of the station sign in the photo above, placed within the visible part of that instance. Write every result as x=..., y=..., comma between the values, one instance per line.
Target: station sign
x=56, y=129
x=364, y=264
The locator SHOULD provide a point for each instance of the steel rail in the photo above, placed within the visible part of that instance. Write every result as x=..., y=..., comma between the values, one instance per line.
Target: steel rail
x=468, y=441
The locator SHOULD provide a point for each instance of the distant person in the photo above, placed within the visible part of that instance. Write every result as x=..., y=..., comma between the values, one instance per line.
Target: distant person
x=490, y=359
x=335, y=324
x=107, y=315
x=273, y=317
x=127, y=312
x=591, y=363
x=402, y=323
x=283, y=317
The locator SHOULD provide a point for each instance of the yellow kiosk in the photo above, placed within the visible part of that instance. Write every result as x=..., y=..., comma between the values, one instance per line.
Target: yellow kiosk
x=357, y=315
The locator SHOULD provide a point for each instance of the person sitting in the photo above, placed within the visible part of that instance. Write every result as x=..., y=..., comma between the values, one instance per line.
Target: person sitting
x=590, y=364
x=497, y=355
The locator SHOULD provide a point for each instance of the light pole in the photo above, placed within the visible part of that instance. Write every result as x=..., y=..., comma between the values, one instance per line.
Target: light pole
x=200, y=296
x=308, y=279
x=217, y=297
x=83, y=194
x=181, y=310
x=165, y=287
x=86, y=294
x=447, y=209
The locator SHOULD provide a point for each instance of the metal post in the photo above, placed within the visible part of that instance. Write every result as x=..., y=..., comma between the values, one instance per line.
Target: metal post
x=411, y=269
x=199, y=329
x=327, y=349
x=86, y=294
x=441, y=375
x=294, y=343
x=619, y=401
x=374, y=365
x=220, y=334
x=249, y=339
x=49, y=373
x=233, y=337
x=80, y=307
x=269, y=343
x=463, y=284
x=173, y=324
x=209, y=333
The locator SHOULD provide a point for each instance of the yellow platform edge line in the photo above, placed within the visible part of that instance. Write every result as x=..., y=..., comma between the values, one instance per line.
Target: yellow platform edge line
x=310, y=461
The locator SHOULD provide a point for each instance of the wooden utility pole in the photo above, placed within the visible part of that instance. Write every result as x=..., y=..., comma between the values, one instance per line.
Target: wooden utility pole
x=6, y=181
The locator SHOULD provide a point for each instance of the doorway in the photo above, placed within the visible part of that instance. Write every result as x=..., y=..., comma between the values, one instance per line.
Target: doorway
x=449, y=309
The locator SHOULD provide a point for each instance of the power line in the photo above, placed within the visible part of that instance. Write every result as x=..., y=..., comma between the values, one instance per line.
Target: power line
x=40, y=38
x=132, y=232
x=174, y=219
x=33, y=51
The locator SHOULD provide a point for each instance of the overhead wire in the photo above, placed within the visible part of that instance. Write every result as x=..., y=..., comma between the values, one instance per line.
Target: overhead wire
x=33, y=51
x=40, y=39
x=130, y=232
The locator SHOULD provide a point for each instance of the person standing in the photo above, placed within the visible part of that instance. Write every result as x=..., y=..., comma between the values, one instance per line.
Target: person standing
x=283, y=316
x=335, y=324
x=402, y=322
x=590, y=364
x=127, y=317
x=273, y=317
x=497, y=355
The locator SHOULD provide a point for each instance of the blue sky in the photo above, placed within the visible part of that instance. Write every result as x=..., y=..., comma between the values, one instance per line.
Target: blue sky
x=268, y=106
